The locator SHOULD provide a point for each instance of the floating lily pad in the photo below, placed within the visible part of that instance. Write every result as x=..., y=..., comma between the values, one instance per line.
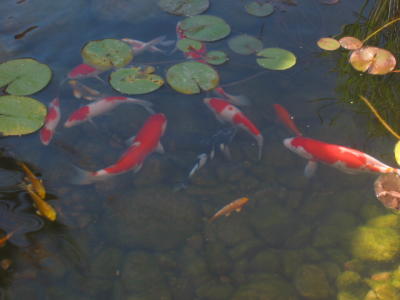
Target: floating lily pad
x=258, y=9
x=106, y=54
x=184, y=7
x=24, y=76
x=20, y=115
x=216, y=57
x=245, y=44
x=397, y=152
x=192, y=77
x=373, y=60
x=276, y=59
x=205, y=28
x=350, y=43
x=188, y=45
x=328, y=44
x=134, y=81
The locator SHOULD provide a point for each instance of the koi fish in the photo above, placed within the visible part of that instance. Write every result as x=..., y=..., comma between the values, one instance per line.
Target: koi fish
x=44, y=209
x=196, y=54
x=286, y=119
x=144, y=143
x=5, y=238
x=84, y=71
x=37, y=184
x=80, y=90
x=101, y=106
x=50, y=124
x=343, y=158
x=235, y=205
x=226, y=112
x=139, y=46
x=240, y=100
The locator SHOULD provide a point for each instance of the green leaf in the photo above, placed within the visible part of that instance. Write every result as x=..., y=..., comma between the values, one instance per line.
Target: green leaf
x=259, y=9
x=245, y=44
x=205, y=28
x=328, y=44
x=397, y=152
x=186, y=45
x=216, y=57
x=20, y=115
x=192, y=77
x=24, y=76
x=134, y=81
x=184, y=7
x=106, y=54
x=276, y=59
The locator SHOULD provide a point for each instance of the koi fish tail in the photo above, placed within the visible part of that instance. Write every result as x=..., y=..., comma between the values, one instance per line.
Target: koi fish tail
x=147, y=105
x=260, y=141
x=151, y=45
x=83, y=177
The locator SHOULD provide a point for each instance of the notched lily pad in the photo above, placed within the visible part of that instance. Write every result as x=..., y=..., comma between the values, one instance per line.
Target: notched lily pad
x=184, y=7
x=350, y=43
x=24, y=76
x=205, y=28
x=387, y=190
x=186, y=45
x=192, y=77
x=373, y=60
x=276, y=59
x=216, y=57
x=259, y=9
x=328, y=44
x=106, y=54
x=135, y=81
x=245, y=44
x=20, y=115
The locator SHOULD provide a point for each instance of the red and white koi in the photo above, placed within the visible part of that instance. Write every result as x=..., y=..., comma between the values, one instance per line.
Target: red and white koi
x=144, y=143
x=84, y=71
x=139, y=46
x=240, y=100
x=226, y=112
x=343, y=158
x=50, y=124
x=286, y=119
x=101, y=106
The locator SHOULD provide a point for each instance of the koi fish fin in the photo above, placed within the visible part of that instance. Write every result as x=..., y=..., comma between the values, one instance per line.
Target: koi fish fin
x=239, y=100
x=226, y=151
x=100, y=79
x=260, y=141
x=160, y=148
x=129, y=141
x=201, y=161
x=147, y=105
x=181, y=186
x=137, y=168
x=310, y=168
x=238, y=209
x=82, y=177
x=227, y=214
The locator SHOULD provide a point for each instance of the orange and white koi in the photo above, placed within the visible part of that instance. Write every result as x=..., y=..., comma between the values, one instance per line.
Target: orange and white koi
x=50, y=124
x=139, y=46
x=343, y=158
x=101, y=106
x=286, y=119
x=226, y=112
x=235, y=205
x=240, y=100
x=144, y=143
x=84, y=71
x=37, y=183
x=80, y=90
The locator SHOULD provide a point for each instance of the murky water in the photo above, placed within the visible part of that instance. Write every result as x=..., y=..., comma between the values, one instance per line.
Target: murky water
x=134, y=236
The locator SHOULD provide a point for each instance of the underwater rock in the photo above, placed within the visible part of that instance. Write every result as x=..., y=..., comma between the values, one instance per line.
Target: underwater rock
x=347, y=279
x=372, y=209
x=347, y=296
x=154, y=171
x=311, y=282
x=266, y=261
x=300, y=237
x=194, y=266
x=292, y=260
x=218, y=259
x=245, y=248
x=396, y=278
x=389, y=220
x=383, y=292
x=387, y=190
x=214, y=290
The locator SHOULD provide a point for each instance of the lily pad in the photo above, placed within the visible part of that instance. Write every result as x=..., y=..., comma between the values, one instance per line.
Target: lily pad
x=24, y=76
x=216, y=57
x=184, y=7
x=186, y=45
x=106, y=54
x=20, y=115
x=258, y=9
x=328, y=44
x=134, y=81
x=276, y=59
x=245, y=44
x=205, y=28
x=192, y=77
x=373, y=60
x=397, y=152
x=350, y=43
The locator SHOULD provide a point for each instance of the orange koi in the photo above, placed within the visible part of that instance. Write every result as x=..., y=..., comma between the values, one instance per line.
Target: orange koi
x=286, y=119
x=36, y=182
x=235, y=205
x=5, y=238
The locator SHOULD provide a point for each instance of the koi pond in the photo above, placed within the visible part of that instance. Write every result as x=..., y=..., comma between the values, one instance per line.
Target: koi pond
x=168, y=150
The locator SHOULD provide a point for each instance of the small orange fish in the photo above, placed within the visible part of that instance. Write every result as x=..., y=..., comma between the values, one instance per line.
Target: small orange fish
x=5, y=238
x=235, y=205
x=286, y=119
x=37, y=183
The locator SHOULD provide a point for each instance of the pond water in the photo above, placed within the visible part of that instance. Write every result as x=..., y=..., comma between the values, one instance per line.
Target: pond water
x=136, y=236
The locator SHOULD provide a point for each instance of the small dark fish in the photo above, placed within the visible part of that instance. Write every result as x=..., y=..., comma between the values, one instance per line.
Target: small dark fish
x=22, y=34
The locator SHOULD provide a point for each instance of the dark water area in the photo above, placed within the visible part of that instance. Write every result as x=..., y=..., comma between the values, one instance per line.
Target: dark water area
x=134, y=236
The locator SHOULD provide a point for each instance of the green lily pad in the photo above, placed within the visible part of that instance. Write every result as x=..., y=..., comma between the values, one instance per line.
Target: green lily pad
x=205, y=28
x=216, y=57
x=106, y=54
x=373, y=60
x=328, y=44
x=186, y=45
x=276, y=59
x=192, y=77
x=245, y=44
x=24, y=76
x=20, y=115
x=258, y=9
x=184, y=7
x=134, y=81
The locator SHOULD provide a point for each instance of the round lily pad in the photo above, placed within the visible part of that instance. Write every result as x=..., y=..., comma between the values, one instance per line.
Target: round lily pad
x=134, y=81
x=20, y=115
x=24, y=76
x=350, y=43
x=184, y=7
x=328, y=44
x=258, y=9
x=106, y=54
x=245, y=44
x=186, y=45
x=216, y=57
x=192, y=77
x=276, y=59
x=205, y=28
x=373, y=60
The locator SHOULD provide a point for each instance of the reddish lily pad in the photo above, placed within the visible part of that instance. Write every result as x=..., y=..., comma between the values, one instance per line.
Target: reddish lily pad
x=350, y=43
x=205, y=28
x=276, y=59
x=259, y=9
x=373, y=60
x=184, y=7
x=216, y=57
x=245, y=44
x=328, y=44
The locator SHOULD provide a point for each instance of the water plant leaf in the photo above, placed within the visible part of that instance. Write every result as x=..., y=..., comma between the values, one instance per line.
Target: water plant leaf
x=20, y=115
x=192, y=77
x=276, y=59
x=397, y=152
x=245, y=44
x=24, y=76
x=184, y=7
x=350, y=43
x=186, y=45
x=328, y=44
x=216, y=57
x=373, y=60
x=259, y=9
x=106, y=54
x=205, y=28
x=135, y=81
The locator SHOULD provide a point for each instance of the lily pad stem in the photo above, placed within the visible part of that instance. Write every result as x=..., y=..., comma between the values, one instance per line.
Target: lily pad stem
x=380, y=29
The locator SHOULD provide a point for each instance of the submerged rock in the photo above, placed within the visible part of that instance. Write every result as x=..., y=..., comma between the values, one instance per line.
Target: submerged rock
x=312, y=283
